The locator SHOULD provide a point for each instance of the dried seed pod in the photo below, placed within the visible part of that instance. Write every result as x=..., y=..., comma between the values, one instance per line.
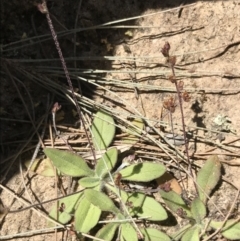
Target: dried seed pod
x=165, y=49
x=166, y=187
x=186, y=97
x=42, y=7
x=56, y=107
x=181, y=213
x=172, y=60
x=117, y=179
x=172, y=78
x=169, y=104
x=180, y=85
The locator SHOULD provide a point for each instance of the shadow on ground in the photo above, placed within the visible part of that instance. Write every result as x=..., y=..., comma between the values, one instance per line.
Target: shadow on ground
x=22, y=20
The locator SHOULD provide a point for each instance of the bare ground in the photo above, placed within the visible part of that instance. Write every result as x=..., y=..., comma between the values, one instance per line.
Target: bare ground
x=205, y=38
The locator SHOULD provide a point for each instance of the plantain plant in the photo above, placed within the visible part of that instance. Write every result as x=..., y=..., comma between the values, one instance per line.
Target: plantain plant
x=101, y=194
x=199, y=224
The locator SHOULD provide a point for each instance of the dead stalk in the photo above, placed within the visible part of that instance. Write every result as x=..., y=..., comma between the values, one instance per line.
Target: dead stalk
x=170, y=104
x=43, y=9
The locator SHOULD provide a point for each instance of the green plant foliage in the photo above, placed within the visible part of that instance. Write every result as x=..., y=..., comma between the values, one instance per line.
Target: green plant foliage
x=152, y=234
x=231, y=229
x=176, y=203
x=120, y=216
x=65, y=217
x=69, y=204
x=68, y=163
x=192, y=234
x=143, y=172
x=176, y=236
x=42, y=167
x=89, y=182
x=100, y=200
x=107, y=232
x=128, y=233
x=107, y=162
x=142, y=205
x=88, y=206
x=198, y=210
x=133, y=133
x=86, y=216
x=208, y=177
x=103, y=130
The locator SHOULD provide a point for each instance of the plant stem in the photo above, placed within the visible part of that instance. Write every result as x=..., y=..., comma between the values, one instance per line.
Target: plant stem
x=43, y=8
x=183, y=125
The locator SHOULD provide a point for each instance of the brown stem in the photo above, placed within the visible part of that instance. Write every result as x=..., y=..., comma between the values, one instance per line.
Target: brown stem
x=43, y=8
x=183, y=124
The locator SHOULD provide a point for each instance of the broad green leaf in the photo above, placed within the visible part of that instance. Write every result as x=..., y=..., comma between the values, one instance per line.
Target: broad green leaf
x=89, y=181
x=152, y=234
x=120, y=217
x=65, y=217
x=231, y=229
x=208, y=177
x=68, y=163
x=107, y=232
x=100, y=200
x=143, y=172
x=192, y=234
x=176, y=236
x=176, y=203
x=198, y=210
x=142, y=205
x=86, y=216
x=103, y=130
x=133, y=133
x=128, y=233
x=42, y=167
x=106, y=162
x=69, y=203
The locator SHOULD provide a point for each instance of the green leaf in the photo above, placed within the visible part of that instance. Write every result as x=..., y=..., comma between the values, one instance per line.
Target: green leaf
x=128, y=233
x=86, y=216
x=107, y=232
x=208, y=177
x=192, y=234
x=143, y=172
x=152, y=234
x=176, y=203
x=176, y=236
x=65, y=217
x=231, y=229
x=69, y=203
x=42, y=167
x=133, y=133
x=121, y=217
x=198, y=210
x=89, y=182
x=103, y=130
x=100, y=200
x=110, y=158
x=68, y=163
x=142, y=205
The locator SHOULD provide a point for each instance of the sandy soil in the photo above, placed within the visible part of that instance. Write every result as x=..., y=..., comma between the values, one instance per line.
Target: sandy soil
x=204, y=37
